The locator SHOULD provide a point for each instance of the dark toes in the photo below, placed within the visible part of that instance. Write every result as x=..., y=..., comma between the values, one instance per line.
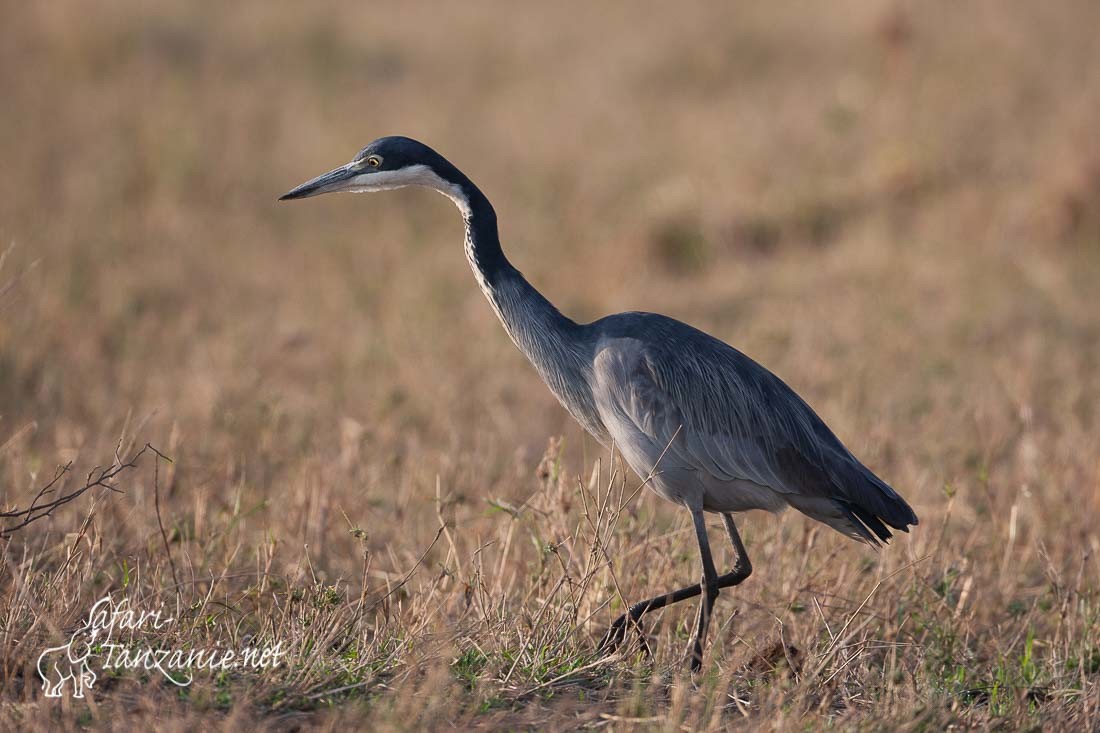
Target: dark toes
x=616, y=635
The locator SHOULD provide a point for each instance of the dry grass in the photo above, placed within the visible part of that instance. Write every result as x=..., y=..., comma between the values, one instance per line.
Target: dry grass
x=894, y=206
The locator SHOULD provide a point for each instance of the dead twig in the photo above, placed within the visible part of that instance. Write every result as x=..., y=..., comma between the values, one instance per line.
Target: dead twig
x=156, y=504
x=99, y=477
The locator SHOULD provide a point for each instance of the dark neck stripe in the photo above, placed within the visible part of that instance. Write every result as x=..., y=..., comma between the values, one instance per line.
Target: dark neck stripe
x=483, y=238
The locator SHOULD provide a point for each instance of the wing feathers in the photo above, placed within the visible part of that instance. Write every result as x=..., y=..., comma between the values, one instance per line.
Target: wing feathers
x=735, y=420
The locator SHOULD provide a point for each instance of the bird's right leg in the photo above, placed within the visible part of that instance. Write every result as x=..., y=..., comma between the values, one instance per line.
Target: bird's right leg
x=742, y=569
x=709, y=584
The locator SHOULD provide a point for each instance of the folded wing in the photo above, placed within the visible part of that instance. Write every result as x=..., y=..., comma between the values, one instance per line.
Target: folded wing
x=713, y=409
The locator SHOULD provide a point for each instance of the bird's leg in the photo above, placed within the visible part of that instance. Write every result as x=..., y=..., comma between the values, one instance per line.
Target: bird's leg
x=709, y=584
x=633, y=617
x=742, y=569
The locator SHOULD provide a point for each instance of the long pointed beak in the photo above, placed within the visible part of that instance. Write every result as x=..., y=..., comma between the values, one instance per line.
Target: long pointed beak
x=323, y=183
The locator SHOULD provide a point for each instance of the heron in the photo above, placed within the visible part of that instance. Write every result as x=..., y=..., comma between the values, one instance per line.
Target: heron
x=705, y=425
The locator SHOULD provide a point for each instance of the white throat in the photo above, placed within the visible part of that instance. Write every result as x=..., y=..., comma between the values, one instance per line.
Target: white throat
x=413, y=175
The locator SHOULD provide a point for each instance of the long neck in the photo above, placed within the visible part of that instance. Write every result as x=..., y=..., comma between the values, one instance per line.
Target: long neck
x=552, y=342
x=518, y=304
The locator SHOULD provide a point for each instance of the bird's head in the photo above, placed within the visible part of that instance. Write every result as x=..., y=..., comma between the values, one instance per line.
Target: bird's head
x=387, y=163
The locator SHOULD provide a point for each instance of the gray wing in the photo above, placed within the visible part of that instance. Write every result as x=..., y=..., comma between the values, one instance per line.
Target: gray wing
x=710, y=408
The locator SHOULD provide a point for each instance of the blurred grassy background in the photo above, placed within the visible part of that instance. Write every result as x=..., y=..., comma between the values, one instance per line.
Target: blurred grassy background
x=892, y=205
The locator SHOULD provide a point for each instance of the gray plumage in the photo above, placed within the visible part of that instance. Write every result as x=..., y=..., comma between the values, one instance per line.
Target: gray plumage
x=743, y=438
x=716, y=431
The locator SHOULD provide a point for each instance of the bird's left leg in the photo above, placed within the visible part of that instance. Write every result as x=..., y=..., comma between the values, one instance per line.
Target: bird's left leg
x=616, y=634
x=709, y=586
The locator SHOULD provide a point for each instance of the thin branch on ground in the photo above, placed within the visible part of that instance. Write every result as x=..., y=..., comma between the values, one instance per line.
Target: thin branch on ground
x=104, y=478
x=156, y=504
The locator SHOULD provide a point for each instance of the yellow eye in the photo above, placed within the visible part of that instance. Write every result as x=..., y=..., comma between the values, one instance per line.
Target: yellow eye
x=374, y=161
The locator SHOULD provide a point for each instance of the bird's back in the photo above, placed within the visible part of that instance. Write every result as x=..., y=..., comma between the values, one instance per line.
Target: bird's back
x=724, y=432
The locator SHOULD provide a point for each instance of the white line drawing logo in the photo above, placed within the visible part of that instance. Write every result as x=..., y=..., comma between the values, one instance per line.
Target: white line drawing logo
x=59, y=664
x=112, y=630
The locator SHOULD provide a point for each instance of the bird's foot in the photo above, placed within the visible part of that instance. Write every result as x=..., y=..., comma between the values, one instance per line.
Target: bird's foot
x=616, y=635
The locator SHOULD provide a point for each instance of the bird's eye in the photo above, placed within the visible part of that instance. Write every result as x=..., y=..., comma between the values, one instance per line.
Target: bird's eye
x=374, y=161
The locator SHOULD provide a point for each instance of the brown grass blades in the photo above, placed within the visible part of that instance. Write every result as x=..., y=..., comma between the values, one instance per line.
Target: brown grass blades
x=893, y=207
x=12, y=281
